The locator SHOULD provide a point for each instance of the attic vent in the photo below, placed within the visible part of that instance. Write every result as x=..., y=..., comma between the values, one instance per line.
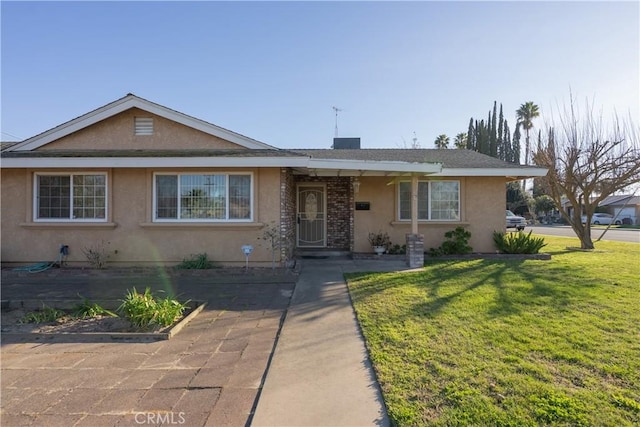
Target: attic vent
x=144, y=126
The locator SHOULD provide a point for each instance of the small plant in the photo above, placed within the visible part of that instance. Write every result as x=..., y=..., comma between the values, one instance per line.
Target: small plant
x=457, y=243
x=271, y=235
x=398, y=250
x=97, y=255
x=87, y=309
x=196, y=262
x=518, y=243
x=45, y=315
x=144, y=309
x=379, y=239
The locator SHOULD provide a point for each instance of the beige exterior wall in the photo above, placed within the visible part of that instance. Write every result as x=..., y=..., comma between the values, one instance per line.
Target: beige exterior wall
x=133, y=239
x=482, y=201
x=117, y=133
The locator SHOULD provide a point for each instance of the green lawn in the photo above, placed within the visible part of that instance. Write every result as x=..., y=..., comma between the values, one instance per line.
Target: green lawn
x=508, y=343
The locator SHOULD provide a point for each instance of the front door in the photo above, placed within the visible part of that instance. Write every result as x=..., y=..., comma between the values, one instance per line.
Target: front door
x=311, y=216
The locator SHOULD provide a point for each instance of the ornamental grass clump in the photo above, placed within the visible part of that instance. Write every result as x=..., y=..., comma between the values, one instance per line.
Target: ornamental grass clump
x=196, y=262
x=518, y=243
x=144, y=310
x=87, y=309
x=45, y=315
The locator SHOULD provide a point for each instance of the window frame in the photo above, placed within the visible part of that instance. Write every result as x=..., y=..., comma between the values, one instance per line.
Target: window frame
x=429, y=196
x=154, y=202
x=70, y=219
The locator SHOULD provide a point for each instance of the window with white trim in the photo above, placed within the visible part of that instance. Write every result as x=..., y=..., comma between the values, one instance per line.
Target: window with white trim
x=203, y=197
x=71, y=197
x=437, y=200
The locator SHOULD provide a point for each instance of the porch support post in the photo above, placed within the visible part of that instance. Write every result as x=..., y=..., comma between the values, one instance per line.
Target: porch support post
x=415, y=241
x=414, y=204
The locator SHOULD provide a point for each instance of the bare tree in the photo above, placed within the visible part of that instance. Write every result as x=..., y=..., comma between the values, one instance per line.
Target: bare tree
x=588, y=160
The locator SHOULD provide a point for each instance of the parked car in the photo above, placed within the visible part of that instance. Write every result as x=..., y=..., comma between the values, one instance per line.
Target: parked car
x=601, y=219
x=515, y=221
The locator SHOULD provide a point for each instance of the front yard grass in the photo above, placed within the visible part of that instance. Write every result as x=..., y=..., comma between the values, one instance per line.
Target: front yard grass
x=508, y=342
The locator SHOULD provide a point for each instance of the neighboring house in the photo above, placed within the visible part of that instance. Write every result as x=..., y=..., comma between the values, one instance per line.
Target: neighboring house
x=625, y=208
x=157, y=186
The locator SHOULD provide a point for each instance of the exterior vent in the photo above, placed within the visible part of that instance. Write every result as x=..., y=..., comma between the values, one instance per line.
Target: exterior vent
x=346, y=143
x=144, y=126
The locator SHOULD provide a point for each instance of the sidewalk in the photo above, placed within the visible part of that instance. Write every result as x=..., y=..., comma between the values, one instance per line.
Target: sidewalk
x=320, y=374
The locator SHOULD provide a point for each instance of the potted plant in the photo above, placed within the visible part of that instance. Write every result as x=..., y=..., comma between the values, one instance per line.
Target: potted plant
x=380, y=242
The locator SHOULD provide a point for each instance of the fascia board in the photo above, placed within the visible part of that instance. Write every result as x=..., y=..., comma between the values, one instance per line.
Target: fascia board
x=364, y=165
x=153, y=162
x=127, y=103
x=524, y=172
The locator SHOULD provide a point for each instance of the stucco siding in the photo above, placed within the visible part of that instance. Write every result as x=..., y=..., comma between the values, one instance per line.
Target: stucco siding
x=482, y=202
x=130, y=235
x=117, y=133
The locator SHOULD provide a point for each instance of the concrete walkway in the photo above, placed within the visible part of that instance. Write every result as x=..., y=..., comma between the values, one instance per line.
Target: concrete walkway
x=320, y=374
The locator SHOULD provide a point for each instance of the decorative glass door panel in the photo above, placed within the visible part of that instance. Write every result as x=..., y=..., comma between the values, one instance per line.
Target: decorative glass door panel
x=311, y=216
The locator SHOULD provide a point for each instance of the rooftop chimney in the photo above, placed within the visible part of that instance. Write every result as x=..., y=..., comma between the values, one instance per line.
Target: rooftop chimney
x=346, y=143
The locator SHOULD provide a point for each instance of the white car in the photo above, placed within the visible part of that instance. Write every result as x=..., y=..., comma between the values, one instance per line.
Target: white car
x=601, y=219
x=515, y=221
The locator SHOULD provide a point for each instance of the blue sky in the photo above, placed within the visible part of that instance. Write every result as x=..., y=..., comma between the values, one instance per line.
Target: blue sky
x=273, y=70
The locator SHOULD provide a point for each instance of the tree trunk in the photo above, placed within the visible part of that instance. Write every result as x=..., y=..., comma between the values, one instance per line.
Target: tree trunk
x=585, y=236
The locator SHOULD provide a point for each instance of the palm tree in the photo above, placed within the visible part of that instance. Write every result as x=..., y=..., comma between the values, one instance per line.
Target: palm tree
x=442, y=141
x=526, y=113
x=461, y=141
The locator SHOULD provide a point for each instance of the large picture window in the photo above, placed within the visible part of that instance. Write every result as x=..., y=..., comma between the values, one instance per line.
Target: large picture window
x=73, y=197
x=437, y=200
x=203, y=197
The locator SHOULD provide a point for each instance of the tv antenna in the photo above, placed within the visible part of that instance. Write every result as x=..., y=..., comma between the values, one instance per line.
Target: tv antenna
x=336, y=109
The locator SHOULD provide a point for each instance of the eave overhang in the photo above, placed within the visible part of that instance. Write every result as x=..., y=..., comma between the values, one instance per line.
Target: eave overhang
x=301, y=165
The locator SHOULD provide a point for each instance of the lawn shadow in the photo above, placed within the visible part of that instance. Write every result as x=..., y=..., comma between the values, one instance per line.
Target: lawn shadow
x=505, y=276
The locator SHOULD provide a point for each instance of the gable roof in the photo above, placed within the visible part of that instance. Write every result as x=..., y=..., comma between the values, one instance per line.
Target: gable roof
x=125, y=103
x=318, y=162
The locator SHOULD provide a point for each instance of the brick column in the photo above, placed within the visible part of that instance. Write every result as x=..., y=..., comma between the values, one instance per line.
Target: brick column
x=415, y=250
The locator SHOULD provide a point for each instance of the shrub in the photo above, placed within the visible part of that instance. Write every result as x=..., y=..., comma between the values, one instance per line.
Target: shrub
x=97, y=255
x=518, y=243
x=397, y=250
x=457, y=243
x=144, y=309
x=196, y=262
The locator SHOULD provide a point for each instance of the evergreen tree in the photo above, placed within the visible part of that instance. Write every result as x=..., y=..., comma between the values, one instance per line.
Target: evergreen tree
x=501, y=152
x=471, y=143
x=516, y=146
x=493, y=131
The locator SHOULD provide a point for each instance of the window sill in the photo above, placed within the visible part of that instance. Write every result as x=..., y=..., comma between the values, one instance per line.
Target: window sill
x=63, y=225
x=216, y=225
x=425, y=222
